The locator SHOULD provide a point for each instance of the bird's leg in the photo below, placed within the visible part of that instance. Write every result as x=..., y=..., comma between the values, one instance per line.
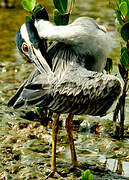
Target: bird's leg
x=71, y=141
x=54, y=141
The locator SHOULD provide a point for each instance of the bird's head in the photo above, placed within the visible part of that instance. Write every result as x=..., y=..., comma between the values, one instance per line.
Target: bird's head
x=29, y=43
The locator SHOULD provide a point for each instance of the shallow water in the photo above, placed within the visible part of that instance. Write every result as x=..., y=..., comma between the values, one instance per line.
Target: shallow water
x=25, y=146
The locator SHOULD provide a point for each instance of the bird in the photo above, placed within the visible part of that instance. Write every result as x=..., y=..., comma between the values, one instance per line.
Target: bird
x=91, y=42
x=68, y=77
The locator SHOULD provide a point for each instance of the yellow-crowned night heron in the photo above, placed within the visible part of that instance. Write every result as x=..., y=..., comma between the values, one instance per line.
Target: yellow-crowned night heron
x=68, y=79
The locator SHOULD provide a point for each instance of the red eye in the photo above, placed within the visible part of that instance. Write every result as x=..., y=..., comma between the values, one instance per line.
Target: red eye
x=25, y=48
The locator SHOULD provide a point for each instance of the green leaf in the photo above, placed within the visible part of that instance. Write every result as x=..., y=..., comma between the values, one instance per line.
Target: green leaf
x=118, y=2
x=124, y=49
x=36, y=10
x=28, y=18
x=125, y=32
x=123, y=8
x=61, y=19
x=123, y=72
x=118, y=16
x=125, y=59
x=127, y=15
x=127, y=1
x=108, y=66
x=61, y=5
x=86, y=174
x=91, y=177
x=38, y=110
x=29, y=5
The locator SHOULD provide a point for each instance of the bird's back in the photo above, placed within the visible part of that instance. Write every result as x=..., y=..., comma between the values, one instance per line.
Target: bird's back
x=78, y=91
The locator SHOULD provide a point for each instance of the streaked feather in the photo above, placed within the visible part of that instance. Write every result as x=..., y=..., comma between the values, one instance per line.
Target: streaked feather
x=17, y=101
x=72, y=92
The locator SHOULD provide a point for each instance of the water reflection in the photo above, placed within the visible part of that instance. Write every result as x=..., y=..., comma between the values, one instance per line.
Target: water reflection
x=115, y=165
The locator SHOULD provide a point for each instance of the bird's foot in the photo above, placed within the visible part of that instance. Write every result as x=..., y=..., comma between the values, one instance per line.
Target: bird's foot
x=54, y=174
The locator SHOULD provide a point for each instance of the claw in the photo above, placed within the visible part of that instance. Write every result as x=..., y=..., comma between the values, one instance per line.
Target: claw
x=54, y=174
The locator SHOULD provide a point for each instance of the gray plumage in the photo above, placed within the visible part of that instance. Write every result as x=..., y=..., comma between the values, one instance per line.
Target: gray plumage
x=91, y=42
x=17, y=101
x=78, y=91
x=66, y=82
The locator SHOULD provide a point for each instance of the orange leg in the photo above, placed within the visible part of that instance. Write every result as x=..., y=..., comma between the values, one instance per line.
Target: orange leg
x=54, y=141
x=71, y=141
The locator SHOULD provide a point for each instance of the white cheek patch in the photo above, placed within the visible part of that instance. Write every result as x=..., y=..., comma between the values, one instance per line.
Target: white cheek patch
x=24, y=34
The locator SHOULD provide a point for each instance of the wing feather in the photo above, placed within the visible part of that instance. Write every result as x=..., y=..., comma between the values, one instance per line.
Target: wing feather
x=17, y=101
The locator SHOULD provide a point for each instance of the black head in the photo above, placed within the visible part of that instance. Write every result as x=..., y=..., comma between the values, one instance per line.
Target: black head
x=30, y=44
x=28, y=35
x=41, y=14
